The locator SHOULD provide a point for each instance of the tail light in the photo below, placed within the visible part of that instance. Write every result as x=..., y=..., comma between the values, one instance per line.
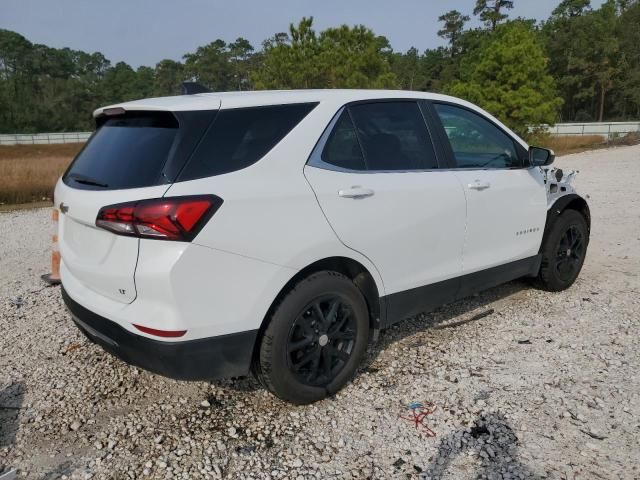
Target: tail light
x=172, y=218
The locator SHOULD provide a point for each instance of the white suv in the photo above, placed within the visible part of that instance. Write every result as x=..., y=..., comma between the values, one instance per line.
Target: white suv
x=210, y=235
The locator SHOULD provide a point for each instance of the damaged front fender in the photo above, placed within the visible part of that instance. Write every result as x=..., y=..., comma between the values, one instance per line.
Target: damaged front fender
x=562, y=195
x=559, y=183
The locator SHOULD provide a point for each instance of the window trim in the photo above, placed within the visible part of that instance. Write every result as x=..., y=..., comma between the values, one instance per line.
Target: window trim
x=330, y=133
x=315, y=159
x=438, y=125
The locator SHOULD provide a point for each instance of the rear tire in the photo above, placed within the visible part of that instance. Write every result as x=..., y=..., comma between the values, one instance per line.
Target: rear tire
x=564, y=249
x=314, y=340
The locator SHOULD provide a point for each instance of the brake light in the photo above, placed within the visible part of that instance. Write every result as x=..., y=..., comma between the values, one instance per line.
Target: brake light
x=172, y=218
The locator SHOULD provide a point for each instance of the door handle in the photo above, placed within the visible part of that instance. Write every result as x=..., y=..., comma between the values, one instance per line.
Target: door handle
x=478, y=185
x=356, y=192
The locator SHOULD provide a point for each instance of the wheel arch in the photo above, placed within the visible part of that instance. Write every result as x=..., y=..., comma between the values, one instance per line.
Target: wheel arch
x=356, y=271
x=572, y=201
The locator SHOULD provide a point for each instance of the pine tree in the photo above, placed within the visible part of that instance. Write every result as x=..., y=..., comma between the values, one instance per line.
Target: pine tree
x=508, y=77
x=452, y=29
x=491, y=11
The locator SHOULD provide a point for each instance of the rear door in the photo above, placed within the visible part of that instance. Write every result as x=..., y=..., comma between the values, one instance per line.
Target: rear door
x=506, y=200
x=127, y=159
x=377, y=179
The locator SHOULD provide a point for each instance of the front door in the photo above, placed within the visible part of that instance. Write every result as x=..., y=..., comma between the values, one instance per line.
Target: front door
x=506, y=200
x=376, y=178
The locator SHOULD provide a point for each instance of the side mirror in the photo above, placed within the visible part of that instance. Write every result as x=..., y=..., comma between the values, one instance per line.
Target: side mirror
x=539, y=157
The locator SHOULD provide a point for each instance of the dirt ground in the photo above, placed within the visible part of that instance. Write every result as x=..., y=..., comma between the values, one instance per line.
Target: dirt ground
x=526, y=384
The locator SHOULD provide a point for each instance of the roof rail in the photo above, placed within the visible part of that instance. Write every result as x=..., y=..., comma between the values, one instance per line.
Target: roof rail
x=192, y=88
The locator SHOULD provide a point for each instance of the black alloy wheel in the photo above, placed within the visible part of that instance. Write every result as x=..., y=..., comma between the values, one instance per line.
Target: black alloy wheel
x=563, y=250
x=321, y=340
x=570, y=254
x=315, y=337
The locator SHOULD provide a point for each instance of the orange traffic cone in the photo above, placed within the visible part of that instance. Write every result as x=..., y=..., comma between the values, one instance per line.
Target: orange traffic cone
x=53, y=278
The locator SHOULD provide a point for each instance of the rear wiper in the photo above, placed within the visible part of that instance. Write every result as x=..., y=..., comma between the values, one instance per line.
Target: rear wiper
x=87, y=180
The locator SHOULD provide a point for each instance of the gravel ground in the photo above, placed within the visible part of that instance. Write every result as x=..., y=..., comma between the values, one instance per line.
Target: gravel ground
x=546, y=386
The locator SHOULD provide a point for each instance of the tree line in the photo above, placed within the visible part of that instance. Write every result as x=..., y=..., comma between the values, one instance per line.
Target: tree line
x=580, y=64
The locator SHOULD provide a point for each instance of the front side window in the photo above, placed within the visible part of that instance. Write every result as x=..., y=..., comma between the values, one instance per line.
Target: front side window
x=240, y=137
x=393, y=136
x=475, y=141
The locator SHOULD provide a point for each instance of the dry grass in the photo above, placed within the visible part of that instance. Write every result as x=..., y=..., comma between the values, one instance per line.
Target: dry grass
x=565, y=145
x=632, y=138
x=28, y=173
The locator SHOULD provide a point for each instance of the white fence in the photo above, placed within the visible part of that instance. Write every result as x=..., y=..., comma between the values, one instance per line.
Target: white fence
x=606, y=129
x=43, y=138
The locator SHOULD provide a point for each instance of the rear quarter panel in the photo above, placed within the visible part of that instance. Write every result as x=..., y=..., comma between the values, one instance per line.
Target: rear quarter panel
x=270, y=213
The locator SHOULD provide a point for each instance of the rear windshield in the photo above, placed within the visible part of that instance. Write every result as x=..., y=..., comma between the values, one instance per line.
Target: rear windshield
x=240, y=137
x=127, y=151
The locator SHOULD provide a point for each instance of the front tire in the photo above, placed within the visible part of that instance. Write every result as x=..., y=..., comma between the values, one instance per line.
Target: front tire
x=564, y=249
x=314, y=340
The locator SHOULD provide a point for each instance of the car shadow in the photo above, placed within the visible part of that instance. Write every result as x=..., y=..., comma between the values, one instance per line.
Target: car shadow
x=239, y=384
x=436, y=319
x=62, y=470
x=492, y=440
x=11, y=398
x=442, y=316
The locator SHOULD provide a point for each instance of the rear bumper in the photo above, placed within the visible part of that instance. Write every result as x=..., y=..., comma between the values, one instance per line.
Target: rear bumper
x=202, y=359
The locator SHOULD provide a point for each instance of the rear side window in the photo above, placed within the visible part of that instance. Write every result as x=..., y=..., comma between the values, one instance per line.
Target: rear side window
x=475, y=141
x=127, y=151
x=393, y=136
x=342, y=148
x=238, y=138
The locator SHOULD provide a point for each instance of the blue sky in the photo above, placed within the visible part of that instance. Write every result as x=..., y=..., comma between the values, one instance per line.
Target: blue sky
x=143, y=32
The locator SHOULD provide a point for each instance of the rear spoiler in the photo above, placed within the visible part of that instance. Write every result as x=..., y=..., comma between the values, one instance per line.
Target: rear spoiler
x=188, y=88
